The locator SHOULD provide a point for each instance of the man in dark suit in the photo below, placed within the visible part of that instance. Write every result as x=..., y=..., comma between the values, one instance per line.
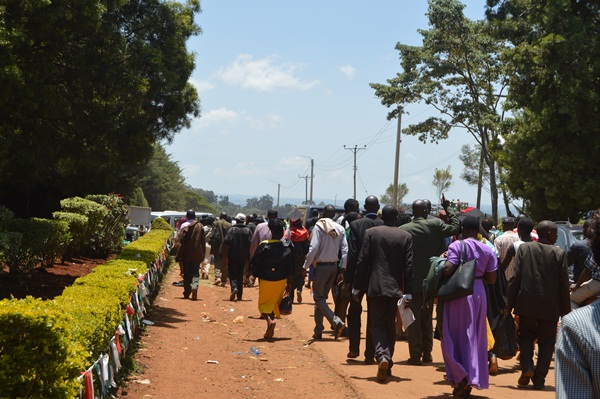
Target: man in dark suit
x=539, y=294
x=429, y=239
x=355, y=240
x=384, y=273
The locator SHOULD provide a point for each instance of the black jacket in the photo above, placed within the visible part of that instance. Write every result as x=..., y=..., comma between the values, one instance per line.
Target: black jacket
x=384, y=266
x=273, y=261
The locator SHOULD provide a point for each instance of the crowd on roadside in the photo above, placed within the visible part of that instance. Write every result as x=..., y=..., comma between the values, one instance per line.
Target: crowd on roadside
x=518, y=291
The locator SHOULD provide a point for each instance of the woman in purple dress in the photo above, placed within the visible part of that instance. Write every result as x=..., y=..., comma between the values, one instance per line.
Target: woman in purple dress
x=464, y=333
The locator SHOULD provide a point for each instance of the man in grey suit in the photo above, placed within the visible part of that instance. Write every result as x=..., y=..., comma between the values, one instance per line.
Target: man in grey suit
x=384, y=273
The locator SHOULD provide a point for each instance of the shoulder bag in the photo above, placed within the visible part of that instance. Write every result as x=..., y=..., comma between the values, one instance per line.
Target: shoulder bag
x=459, y=284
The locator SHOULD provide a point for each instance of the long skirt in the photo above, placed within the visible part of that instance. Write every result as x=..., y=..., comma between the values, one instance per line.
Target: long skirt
x=270, y=294
x=465, y=339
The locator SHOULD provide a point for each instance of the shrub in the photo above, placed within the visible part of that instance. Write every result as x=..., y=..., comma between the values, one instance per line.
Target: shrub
x=98, y=301
x=160, y=224
x=6, y=217
x=54, y=237
x=108, y=234
x=78, y=225
x=17, y=258
x=38, y=358
x=95, y=213
x=148, y=249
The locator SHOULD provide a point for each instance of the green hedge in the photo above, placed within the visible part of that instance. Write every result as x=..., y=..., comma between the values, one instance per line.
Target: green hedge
x=38, y=356
x=97, y=301
x=78, y=225
x=45, y=345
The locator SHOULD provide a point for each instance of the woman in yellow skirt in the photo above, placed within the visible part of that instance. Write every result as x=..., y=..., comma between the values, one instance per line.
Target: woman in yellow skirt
x=272, y=263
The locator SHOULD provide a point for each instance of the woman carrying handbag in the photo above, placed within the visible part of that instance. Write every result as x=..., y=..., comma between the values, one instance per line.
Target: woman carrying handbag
x=464, y=331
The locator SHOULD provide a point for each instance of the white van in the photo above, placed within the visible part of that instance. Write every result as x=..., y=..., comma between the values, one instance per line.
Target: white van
x=172, y=216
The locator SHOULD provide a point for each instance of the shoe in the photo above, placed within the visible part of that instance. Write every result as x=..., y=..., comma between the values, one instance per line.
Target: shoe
x=345, y=332
x=526, y=377
x=382, y=370
x=194, y=295
x=352, y=355
x=298, y=297
x=414, y=361
x=427, y=358
x=493, y=365
x=186, y=297
x=233, y=295
x=317, y=337
x=338, y=330
x=538, y=387
x=369, y=361
x=217, y=282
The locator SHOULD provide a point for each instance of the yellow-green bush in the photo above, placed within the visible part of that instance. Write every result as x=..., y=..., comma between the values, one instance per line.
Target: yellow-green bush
x=45, y=345
x=148, y=247
x=98, y=302
x=38, y=356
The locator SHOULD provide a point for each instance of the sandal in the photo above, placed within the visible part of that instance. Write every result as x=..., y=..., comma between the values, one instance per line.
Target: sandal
x=462, y=389
x=270, y=329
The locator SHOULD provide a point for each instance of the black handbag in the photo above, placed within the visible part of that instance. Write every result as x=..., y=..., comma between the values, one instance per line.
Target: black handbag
x=285, y=307
x=459, y=284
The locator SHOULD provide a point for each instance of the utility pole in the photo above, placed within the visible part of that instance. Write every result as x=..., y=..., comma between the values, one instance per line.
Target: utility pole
x=397, y=165
x=306, y=187
x=278, y=189
x=312, y=176
x=355, y=150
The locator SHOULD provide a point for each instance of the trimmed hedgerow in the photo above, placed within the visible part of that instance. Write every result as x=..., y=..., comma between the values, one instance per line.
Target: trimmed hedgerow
x=38, y=356
x=98, y=300
x=44, y=345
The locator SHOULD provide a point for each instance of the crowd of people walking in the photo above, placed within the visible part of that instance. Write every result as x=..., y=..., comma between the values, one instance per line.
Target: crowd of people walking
x=399, y=262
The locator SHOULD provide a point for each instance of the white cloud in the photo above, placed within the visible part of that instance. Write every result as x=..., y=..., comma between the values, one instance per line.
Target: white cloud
x=263, y=74
x=217, y=116
x=348, y=70
x=202, y=85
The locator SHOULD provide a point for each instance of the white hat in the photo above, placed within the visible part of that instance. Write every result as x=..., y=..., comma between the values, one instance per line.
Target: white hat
x=241, y=217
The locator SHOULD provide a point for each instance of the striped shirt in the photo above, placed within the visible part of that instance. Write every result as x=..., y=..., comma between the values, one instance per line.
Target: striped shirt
x=577, y=354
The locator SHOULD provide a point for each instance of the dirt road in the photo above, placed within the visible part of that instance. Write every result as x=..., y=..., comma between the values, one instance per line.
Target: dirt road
x=179, y=352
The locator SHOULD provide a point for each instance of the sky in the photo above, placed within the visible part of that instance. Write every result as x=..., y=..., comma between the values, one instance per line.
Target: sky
x=284, y=82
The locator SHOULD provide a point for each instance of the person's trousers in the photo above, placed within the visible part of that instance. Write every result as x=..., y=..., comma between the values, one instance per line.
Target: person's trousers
x=204, y=267
x=531, y=328
x=382, y=319
x=191, y=275
x=325, y=276
x=297, y=284
x=420, y=332
x=220, y=269
x=354, y=326
x=586, y=290
x=236, y=277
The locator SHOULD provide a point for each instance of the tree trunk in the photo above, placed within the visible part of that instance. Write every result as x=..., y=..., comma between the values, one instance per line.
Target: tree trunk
x=480, y=179
x=493, y=190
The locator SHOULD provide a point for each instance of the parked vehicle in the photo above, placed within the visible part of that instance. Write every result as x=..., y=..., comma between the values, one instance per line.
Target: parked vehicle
x=567, y=234
x=172, y=216
x=306, y=212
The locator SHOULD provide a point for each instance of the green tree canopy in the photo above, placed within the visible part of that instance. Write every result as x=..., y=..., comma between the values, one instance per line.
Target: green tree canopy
x=442, y=180
x=387, y=197
x=87, y=88
x=457, y=71
x=552, y=143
